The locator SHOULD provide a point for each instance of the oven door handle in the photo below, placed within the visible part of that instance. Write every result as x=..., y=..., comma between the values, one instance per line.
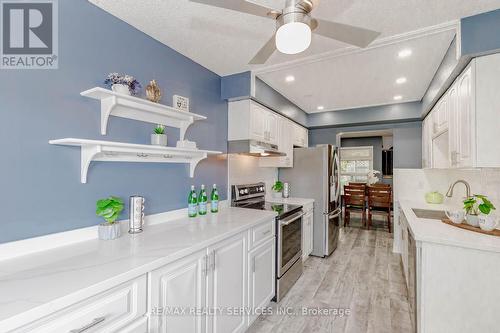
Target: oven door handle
x=292, y=218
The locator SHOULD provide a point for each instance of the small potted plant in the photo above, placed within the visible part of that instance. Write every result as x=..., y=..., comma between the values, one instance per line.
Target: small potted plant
x=110, y=209
x=277, y=189
x=477, y=208
x=158, y=137
x=123, y=84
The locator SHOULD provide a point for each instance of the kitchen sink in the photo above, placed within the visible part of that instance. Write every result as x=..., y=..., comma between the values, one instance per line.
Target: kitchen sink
x=429, y=214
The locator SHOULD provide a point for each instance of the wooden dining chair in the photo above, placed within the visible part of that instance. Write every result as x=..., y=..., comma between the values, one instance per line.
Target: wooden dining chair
x=381, y=185
x=354, y=201
x=379, y=203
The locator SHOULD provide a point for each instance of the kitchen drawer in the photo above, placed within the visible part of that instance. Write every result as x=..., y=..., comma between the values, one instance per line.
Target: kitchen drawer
x=109, y=311
x=261, y=233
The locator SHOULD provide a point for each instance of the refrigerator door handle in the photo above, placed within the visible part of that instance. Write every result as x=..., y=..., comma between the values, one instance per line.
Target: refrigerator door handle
x=335, y=213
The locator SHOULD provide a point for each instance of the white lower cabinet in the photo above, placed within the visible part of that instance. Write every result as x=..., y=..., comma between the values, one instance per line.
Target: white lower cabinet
x=261, y=277
x=209, y=291
x=111, y=311
x=180, y=286
x=227, y=282
x=138, y=326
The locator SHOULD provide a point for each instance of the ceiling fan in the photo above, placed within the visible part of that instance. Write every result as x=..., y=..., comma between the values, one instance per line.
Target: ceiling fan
x=294, y=26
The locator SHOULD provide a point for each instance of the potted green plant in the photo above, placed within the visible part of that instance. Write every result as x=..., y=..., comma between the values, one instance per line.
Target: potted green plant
x=109, y=209
x=277, y=189
x=476, y=205
x=158, y=137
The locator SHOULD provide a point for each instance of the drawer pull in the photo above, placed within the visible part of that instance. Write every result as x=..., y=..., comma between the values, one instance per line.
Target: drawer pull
x=266, y=232
x=94, y=322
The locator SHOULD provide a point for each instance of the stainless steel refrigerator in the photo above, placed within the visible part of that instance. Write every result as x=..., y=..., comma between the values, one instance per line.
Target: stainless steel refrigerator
x=315, y=174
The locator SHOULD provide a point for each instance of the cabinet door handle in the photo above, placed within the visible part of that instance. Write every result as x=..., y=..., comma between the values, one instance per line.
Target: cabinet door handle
x=205, y=265
x=253, y=264
x=267, y=232
x=213, y=261
x=94, y=322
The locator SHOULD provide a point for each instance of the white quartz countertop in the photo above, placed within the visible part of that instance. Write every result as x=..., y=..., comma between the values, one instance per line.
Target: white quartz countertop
x=36, y=285
x=291, y=200
x=435, y=231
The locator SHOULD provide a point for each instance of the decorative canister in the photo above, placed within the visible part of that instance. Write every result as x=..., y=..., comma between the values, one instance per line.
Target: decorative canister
x=286, y=190
x=136, y=221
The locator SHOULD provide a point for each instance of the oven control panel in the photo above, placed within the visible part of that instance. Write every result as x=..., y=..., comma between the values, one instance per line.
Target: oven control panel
x=241, y=192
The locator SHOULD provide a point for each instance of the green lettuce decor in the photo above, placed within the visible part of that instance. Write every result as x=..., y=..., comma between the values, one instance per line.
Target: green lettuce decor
x=109, y=208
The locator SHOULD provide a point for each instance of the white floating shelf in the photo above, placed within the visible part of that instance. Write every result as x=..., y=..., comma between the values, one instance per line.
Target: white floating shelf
x=107, y=151
x=125, y=106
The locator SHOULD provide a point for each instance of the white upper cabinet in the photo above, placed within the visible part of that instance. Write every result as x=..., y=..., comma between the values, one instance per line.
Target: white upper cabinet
x=465, y=128
x=465, y=115
x=427, y=143
x=272, y=127
x=249, y=120
x=440, y=117
x=300, y=136
x=285, y=145
x=258, y=128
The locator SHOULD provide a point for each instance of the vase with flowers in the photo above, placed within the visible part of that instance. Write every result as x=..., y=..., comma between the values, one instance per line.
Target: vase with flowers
x=123, y=84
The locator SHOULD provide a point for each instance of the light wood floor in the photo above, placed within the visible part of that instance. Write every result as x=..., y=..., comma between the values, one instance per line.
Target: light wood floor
x=363, y=275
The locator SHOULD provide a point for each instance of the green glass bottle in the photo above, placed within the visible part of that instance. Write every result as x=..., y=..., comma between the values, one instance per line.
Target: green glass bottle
x=192, y=203
x=202, y=201
x=214, y=198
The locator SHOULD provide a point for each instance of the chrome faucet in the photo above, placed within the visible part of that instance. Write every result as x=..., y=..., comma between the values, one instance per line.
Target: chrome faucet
x=449, y=194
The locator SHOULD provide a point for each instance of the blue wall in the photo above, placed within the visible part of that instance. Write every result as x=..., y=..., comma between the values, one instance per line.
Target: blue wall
x=480, y=33
x=237, y=86
x=407, y=140
x=383, y=114
x=41, y=191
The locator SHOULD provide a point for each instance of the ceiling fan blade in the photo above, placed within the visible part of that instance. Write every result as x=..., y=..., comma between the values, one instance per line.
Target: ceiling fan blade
x=345, y=33
x=265, y=52
x=241, y=6
x=308, y=5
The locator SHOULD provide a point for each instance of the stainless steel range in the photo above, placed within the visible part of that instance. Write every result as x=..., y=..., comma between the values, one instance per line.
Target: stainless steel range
x=288, y=233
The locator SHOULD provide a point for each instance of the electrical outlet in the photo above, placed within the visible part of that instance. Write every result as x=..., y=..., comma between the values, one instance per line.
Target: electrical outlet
x=181, y=103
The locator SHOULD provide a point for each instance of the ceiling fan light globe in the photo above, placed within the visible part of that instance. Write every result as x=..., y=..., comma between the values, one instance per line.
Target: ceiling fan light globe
x=293, y=38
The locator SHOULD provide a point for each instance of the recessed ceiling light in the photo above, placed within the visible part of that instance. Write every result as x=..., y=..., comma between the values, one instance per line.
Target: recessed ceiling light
x=401, y=80
x=320, y=108
x=405, y=53
x=398, y=97
x=290, y=78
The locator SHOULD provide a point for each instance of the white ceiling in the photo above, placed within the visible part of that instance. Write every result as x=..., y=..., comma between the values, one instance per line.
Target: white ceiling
x=224, y=41
x=365, y=78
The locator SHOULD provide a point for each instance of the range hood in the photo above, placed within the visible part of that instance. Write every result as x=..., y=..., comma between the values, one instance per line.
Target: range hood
x=253, y=148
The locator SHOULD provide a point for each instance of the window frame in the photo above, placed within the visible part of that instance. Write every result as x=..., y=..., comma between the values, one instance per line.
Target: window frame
x=369, y=158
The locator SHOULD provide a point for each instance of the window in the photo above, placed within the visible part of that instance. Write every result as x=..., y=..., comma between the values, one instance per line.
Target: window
x=355, y=163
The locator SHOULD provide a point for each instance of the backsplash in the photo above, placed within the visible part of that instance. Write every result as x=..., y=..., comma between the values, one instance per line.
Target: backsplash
x=245, y=170
x=412, y=184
